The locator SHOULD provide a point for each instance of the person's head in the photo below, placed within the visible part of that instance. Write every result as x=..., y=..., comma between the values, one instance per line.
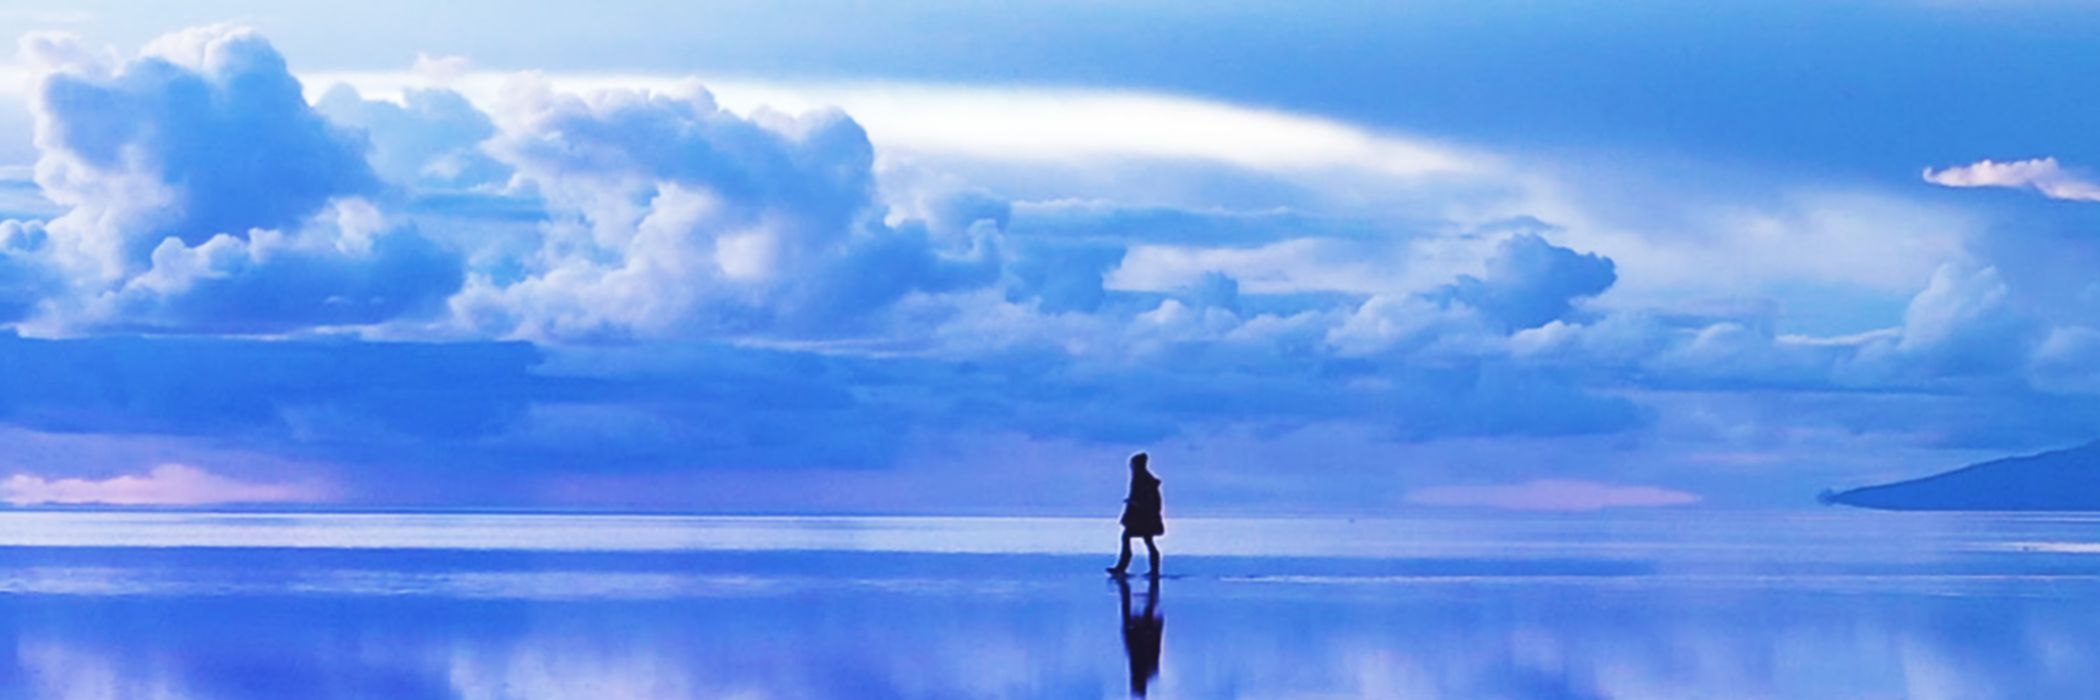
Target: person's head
x=1138, y=461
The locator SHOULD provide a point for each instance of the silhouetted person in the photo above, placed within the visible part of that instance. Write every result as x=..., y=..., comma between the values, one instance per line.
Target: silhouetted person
x=1141, y=515
x=1141, y=635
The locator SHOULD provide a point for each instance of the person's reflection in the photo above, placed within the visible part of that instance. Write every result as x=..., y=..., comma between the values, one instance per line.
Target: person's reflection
x=1141, y=634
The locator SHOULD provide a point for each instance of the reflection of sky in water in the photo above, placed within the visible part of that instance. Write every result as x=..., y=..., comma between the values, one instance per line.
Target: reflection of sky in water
x=1836, y=604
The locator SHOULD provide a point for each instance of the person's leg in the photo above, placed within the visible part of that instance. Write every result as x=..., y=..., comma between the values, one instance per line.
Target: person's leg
x=1123, y=561
x=1151, y=552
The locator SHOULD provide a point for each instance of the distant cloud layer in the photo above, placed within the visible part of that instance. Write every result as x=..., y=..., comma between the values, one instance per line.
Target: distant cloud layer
x=491, y=289
x=164, y=485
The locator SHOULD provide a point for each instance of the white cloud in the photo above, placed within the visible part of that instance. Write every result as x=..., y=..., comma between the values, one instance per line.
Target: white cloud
x=2043, y=174
x=1957, y=300
x=674, y=217
x=1044, y=124
x=428, y=138
x=201, y=193
x=1027, y=124
x=1551, y=495
x=165, y=485
x=440, y=70
x=1385, y=323
x=1672, y=243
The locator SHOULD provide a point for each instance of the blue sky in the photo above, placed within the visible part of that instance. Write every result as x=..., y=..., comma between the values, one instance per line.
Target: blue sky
x=963, y=257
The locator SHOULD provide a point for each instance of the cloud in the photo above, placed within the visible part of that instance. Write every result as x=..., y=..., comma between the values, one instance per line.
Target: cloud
x=2067, y=360
x=1039, y=125
x=2042, y=174
x=1060, y=276
x=1387, y=324
x=1966, y=322
x=1292, y=265
x=440, y=69
x=1951, y=308
x=430, y=139
x=708, y=284
x=205, y=133
x=25, y=279
x=1969, y=324
x=1530, y=282
x=165, y=485
x=1551, y=495
x=353, y=394
x=676, y=217
x=203, y=194
x=271, y=282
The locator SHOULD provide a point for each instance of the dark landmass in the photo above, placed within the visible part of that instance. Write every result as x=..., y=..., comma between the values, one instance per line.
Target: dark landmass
x=2060, y=480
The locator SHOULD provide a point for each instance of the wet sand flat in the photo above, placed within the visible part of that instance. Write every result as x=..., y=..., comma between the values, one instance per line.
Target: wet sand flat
x=1781, y=605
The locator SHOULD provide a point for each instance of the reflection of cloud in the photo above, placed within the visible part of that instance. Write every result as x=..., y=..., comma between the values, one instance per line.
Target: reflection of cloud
x=1551, y=494
x=73, y=671
x=543, y=667
x=167, y=484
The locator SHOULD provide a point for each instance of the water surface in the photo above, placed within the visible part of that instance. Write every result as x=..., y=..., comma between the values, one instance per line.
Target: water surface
x=1840, y=604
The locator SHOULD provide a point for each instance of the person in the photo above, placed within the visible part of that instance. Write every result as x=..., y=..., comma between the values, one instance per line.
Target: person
x=1141, y=515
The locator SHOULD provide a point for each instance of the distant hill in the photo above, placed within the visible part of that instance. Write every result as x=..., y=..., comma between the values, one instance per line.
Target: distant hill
x=2060, y=480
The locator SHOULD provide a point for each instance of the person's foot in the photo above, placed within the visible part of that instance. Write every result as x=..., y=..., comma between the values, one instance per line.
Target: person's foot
x=1117, y=570
x=1153, y=574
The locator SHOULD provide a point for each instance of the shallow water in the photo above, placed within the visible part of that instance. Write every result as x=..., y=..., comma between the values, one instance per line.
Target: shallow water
x=1842, y=604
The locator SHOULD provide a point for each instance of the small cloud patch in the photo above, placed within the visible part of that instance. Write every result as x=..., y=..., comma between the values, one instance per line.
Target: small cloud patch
x=1551, y=495
x=165, y=485
x=2045, y=175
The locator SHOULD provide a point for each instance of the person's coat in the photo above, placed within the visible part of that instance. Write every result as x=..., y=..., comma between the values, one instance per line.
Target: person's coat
x=1141, y=511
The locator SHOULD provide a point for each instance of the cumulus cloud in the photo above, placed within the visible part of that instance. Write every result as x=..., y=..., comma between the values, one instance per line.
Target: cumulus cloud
x=2067, y=361
x=767, y=272
x=430, y=139
x=1551, y=495
x=164, y=485
x=25, y=279
x=1388, y=323
x=1956, y=301
x=1061, y=278
x=347, y=273
x=1530, y=282
x=203, y=194
x=2043, y=175
x=205, y=133
x=676, y=217
x=1965, y=322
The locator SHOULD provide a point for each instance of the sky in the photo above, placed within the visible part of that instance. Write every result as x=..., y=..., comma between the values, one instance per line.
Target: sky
x=962, y=257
